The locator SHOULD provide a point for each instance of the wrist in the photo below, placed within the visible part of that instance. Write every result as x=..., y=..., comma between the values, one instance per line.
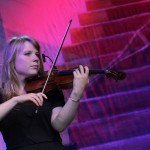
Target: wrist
x=15, y=101
x=74, y=100
x=75, y=95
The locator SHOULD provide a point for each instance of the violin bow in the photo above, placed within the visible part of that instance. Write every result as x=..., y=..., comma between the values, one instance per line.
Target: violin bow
x=54, y=62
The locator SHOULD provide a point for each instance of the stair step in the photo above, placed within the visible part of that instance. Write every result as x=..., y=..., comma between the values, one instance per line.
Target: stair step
x=99, y=47
x=132, y=59
x=114, y=13
x=110, y=129
x=114, y=104
x=134, y=143
x=99, y=4
x=100, y=30
x=128, y=61
x=125, y=62
x=136, y=78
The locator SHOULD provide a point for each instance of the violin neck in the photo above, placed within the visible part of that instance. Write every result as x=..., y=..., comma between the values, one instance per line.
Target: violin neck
x=119, y=75
x=91, y=72
x=70, y=72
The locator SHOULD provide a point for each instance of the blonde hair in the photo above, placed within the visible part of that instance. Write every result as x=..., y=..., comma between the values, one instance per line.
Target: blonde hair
x=10, y=82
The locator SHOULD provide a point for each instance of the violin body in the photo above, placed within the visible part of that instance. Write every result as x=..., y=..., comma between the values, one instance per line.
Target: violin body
x=54, y=82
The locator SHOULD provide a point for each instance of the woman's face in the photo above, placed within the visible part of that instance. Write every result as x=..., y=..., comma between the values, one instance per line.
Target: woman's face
x=27, y=61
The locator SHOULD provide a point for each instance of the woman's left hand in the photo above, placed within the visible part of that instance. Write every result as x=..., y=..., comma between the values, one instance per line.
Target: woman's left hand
x=81, y=79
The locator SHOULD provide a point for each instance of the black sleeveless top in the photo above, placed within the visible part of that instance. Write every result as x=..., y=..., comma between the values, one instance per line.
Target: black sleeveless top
x=22, y=127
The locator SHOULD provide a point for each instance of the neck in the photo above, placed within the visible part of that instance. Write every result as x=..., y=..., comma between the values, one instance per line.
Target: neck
x=21, y=85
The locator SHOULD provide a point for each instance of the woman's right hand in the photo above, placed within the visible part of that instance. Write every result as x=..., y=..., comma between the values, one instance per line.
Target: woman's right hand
x=36, y=98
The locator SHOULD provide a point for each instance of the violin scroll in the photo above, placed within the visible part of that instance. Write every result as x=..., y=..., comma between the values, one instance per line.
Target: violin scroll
x=120, y=75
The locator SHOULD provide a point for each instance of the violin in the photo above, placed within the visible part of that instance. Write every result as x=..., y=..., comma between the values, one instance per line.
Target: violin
x=55, y=79
x=64, y=79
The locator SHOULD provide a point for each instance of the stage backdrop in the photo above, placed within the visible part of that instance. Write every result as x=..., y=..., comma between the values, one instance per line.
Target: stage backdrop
x=104, y=34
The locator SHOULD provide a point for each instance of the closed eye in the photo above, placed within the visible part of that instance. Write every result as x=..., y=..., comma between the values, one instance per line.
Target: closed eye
x=27, y=53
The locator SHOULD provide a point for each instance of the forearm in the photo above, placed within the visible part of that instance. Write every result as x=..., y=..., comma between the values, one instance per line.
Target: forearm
x=67, y=113
x=61, y=120
x=6, y=107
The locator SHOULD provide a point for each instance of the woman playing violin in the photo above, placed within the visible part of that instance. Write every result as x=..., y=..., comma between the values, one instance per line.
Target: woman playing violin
x=22, y=128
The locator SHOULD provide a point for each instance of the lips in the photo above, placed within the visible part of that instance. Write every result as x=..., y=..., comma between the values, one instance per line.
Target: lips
x=34, y=66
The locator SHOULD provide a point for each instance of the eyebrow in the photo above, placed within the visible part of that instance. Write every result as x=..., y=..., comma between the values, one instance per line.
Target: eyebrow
x=30, y=51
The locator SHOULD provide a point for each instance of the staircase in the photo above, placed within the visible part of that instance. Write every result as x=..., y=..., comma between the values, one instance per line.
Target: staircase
x=113, y=115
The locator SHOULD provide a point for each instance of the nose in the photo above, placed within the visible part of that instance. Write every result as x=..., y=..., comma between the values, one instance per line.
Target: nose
x=35, y=58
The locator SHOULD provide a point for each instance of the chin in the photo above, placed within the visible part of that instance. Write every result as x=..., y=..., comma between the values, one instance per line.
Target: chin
x=33, y=74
